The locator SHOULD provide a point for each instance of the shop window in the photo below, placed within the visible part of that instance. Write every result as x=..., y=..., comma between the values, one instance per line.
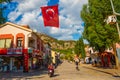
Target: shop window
x=31, y=43
x=19, y=42
x=8, y=43
x=2, y=43
x=5, y=43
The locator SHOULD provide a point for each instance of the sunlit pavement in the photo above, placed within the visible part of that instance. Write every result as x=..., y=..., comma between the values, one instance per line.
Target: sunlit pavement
x=66, y=71
x=112, y=71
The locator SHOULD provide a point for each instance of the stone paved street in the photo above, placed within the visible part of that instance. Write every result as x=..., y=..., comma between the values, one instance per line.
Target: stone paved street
x=66, y=71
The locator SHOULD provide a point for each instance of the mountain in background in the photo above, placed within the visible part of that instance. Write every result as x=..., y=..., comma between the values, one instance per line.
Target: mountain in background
x=57, y=44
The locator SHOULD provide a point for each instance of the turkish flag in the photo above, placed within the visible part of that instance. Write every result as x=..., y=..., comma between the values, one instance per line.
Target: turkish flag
x=50, y=16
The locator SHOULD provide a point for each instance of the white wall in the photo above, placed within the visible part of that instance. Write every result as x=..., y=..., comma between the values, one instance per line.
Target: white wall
x=8, y=29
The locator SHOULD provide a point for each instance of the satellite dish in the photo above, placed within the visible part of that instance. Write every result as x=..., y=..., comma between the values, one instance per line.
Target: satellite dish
x=35, y=30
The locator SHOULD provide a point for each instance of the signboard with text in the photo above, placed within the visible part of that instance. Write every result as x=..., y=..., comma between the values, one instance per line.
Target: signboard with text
x=14, y=51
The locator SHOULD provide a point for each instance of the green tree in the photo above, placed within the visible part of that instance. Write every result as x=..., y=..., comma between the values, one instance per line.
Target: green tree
x=99, y=34
x=1, y=1
x=2, y=19
x=79, y=48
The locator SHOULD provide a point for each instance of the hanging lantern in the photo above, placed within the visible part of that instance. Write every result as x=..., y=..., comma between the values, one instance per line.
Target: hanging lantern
x=111, y=19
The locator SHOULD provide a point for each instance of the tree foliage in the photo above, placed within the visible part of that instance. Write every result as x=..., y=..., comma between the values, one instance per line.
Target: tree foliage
x=99, y=34
x=79, y=48
x=1, y=1
x=2, y=18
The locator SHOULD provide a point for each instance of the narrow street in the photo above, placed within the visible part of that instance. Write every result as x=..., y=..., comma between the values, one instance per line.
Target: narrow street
x=65, y=71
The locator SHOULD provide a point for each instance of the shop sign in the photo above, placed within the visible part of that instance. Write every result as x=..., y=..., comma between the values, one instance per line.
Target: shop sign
x=3, y=51
x=14, y=51
x=30, y=50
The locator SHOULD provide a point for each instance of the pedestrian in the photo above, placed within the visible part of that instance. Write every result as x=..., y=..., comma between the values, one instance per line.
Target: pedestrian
x=76, y=59
x=112, y=60
x=106, y=60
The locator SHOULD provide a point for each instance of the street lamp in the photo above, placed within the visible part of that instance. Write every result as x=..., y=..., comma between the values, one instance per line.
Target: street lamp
x=117, y=25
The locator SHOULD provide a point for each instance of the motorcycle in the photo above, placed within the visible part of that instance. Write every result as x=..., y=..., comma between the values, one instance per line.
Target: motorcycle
x=50, y=72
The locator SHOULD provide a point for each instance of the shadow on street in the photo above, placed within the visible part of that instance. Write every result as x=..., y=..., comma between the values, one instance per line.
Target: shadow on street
x=55, y=75
x=20, y=75
x=32, y=74
x=114, y=75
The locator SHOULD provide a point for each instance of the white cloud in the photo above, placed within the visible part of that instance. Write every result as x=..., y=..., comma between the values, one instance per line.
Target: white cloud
x=13, y=15
x=69, y=17
x=72, y=8
x=66, y=37
x=30, y=5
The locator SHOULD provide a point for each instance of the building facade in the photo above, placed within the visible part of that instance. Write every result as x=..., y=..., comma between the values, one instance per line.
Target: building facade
x=20, y=47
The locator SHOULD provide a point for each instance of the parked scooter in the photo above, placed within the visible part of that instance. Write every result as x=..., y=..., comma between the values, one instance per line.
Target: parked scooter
x=51, y=70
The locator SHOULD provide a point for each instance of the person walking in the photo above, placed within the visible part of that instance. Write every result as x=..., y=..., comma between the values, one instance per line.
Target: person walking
x=76, y=59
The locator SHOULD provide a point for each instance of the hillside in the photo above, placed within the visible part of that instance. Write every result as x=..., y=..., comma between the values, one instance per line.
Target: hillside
x=57, y=44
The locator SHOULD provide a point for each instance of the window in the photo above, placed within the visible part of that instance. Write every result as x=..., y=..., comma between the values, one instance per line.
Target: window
x=5, y=43
x=2, y=43
x=8, y=43
x=19, y=42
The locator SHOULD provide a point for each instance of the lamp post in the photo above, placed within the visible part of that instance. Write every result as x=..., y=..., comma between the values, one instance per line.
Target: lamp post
x=117, y=25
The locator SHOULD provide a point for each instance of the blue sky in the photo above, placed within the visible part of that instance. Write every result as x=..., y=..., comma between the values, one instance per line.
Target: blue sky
x=28, y=12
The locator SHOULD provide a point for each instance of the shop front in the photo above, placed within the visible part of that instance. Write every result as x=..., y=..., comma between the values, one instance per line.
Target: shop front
x=17, y=44
x=36, y=60
x=14, y=59
x=11, y=63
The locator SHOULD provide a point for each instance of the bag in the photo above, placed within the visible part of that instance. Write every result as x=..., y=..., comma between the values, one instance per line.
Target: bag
x=76, y=60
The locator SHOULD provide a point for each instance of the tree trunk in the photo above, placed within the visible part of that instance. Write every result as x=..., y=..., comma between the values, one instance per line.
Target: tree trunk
x=115, y=54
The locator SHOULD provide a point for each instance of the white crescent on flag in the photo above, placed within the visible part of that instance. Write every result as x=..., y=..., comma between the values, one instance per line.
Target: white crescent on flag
x=50, y=12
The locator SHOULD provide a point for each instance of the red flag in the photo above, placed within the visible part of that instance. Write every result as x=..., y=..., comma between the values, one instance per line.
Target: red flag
x=50, y=16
